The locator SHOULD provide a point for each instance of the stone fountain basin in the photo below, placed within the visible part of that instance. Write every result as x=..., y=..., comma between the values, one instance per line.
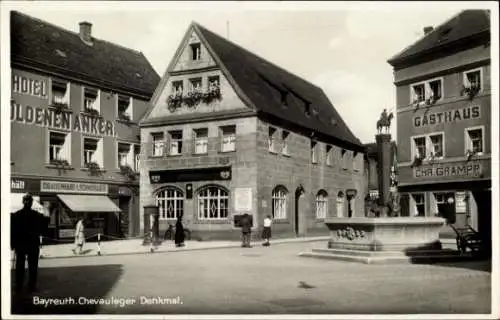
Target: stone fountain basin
x=385, y=234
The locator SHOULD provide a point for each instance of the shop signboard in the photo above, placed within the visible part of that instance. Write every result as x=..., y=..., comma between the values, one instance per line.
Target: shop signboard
x=73, y=187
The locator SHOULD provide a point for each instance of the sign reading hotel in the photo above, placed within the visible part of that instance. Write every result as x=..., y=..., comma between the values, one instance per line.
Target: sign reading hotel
x=243, y=199
x=450, y=116
x=73, y=187
x=448, y=170
x=28, y=86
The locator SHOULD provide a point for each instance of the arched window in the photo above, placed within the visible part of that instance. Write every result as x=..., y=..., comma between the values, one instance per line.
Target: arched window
x=321, y=204
x=279, y=202
x=171, y=203
x=213, y=203
x=340, y=204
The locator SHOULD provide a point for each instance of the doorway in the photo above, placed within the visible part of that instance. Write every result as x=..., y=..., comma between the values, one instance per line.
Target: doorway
x=483, y=200
x=299, y=194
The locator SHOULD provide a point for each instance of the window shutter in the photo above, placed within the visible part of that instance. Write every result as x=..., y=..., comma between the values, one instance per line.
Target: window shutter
x=130, y=156
x=97, y=105
x=67, y=94
x=66, y=152
x=99, y=153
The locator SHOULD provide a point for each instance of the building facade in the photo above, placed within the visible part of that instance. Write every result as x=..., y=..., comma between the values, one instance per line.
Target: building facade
x=75, y=142
x=229, y=133
x=443, y=89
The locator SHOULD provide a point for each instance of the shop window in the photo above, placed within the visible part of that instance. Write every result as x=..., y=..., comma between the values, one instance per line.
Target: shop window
x=91, y=100
x=137, y=157
x=419, y=204
x=474, y=140
x=314, y=151
x=328, y=155
x=158, y=143
x=270, y=139
x=340, y=204
x=201, y=141
x=125, y=155
x=213, y=203
x=175, y=142
x=195, y=51
x=284, y=138
x=60, y=92
x=92, y=151
x=279, y=197
x=59, y=147
x=170, y=202
x=321, y=204
x=124, y=107
x=445, y=205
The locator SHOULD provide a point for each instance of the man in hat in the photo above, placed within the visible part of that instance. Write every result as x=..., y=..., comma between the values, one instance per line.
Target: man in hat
x=27, y=225
x=246, y=230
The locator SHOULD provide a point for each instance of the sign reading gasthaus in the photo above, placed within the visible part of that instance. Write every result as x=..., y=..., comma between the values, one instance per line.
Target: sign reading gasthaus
x=73, y=187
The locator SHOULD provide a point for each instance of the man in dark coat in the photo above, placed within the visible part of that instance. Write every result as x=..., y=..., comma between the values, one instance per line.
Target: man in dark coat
x=179, y=232
x=27, y=225
x=246, y=230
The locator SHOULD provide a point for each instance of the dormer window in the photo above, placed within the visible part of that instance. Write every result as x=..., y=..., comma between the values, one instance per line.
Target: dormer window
x=284, y=101
x=308, y=109
x=195, y=51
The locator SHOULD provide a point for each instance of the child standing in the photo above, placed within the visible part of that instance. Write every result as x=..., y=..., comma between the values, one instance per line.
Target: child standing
x=266, y=233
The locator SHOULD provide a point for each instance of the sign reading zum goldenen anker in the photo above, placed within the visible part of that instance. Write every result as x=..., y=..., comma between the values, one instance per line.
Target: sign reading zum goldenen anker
x=73, y=187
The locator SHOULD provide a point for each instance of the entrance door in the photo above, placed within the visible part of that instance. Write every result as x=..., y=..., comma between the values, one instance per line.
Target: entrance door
x=299, y=193
x=446, y=206
x=483, y=200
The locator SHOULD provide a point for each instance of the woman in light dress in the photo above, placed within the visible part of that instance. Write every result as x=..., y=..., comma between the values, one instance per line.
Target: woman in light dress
x=79, y=236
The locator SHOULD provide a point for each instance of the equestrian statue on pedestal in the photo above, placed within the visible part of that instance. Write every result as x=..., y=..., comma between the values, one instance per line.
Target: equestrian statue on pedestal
x=384, y=122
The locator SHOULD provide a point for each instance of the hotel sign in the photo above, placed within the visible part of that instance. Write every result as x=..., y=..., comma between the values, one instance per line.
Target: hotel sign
x=65, y=120
x=73, y=187
x=450, y=116
x=449, y=170
x=28, y=86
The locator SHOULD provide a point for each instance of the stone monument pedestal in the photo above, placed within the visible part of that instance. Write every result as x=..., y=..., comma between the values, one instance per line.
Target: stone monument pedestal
x=384, y=240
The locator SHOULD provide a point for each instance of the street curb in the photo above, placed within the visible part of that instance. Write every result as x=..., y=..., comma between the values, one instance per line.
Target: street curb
x=178, y=250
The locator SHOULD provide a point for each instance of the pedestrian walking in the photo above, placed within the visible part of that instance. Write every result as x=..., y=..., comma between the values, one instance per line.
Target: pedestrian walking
x=27, y=226
x=246, y=230
x=179, y=232
x=79, y=236
x=266, y=232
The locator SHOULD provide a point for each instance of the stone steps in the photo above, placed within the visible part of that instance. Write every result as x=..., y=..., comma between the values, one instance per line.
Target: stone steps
x=388, y=257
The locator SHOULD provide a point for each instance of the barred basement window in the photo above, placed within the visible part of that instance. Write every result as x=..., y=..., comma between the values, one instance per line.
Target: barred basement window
x=170, y=202
x=213, y=203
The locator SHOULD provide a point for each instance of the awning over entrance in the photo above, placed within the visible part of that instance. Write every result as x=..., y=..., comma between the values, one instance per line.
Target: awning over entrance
x=16, y=203
x=87, y=203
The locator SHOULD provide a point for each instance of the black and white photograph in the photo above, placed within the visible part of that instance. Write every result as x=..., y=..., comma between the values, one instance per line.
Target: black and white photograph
x=249, y=159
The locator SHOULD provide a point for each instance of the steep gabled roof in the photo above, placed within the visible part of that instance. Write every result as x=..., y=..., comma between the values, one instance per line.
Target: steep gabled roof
x=40, y=44
x=266, y=84
x=466, y=24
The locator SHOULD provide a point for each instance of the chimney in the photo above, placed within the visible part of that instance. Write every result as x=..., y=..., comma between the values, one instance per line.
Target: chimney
x=86, y=32
x=428, y=29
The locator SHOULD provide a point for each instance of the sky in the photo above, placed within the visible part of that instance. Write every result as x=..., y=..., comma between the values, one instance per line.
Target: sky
x=342, y=48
